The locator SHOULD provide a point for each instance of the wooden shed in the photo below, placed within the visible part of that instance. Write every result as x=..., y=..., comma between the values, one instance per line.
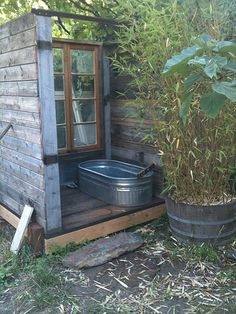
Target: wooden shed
x=48, y=136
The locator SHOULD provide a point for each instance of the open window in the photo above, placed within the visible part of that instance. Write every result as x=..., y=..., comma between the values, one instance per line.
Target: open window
x=77, y=96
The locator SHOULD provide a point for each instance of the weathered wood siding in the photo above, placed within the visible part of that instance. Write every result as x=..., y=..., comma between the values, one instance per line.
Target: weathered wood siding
x=127, y=134
x=22, y=170
x=52, y=201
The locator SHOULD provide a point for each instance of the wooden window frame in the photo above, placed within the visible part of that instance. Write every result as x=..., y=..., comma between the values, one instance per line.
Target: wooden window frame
x=67, y=46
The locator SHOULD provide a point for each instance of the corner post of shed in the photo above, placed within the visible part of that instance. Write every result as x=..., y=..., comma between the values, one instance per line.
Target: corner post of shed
x=107, y=105
x=48, y=123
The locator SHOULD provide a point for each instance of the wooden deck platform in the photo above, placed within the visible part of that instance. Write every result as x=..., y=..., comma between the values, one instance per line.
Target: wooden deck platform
x=79, y=210
x=85, y=218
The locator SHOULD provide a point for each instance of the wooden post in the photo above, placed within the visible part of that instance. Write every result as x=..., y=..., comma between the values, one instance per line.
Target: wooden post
x=48, y=117
x=107, y=107
x=36, y=238
x=21, y=229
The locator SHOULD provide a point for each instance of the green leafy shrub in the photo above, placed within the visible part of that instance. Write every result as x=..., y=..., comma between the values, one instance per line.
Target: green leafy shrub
x=197, y=155
x=199, y=151
x=209, y=70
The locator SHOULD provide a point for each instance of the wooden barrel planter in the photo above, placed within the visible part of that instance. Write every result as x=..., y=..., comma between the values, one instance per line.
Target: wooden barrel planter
x=214, y=224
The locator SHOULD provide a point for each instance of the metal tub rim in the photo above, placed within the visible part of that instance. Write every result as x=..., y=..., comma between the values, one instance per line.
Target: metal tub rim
x=84, y=163
x=115, y=182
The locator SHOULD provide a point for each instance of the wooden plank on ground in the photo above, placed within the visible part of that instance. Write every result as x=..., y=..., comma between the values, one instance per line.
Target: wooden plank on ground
x=105, y=228
x=9, y=216
x=21, y=229
x=35, y=232
x=7, y=200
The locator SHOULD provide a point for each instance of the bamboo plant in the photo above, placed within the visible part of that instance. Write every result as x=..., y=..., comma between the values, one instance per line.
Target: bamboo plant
x=199, y=141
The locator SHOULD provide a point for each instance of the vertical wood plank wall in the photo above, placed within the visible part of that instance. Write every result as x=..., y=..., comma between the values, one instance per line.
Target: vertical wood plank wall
x=22, y=171
x=127, y=132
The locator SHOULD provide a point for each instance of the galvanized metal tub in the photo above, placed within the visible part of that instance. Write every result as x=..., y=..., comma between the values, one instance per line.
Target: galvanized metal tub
x=115, y=182
x=215, y=224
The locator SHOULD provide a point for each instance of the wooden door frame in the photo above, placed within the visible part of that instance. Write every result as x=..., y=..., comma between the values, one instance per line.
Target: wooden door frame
x=67, y=45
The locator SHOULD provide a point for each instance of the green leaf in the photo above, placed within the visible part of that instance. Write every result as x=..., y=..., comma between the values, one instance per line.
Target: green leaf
x=230, y=66
x=184, y=110
x=221, y=61
x=205, y=41
x=206, y=37
x=212, y=103
x=225, y=46
x=211, y=69
x=192, y=79
x=199, y=60
x=178, y=63
x=214, y=65
x=226, y=88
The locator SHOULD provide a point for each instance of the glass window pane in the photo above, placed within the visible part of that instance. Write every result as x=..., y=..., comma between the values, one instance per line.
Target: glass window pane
x=59, y=86
x=82, y=86
x=83, y=110
x=61, y=136
x=60, y=111
x=82, y=61
x=84, y=134
x=58, y=60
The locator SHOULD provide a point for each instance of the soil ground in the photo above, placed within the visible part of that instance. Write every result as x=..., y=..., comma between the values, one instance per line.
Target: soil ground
x=161, y=277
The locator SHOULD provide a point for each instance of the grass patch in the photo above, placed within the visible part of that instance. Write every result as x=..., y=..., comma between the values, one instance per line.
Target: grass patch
x=37, y=283
x=58, y=252
x=43, y=273
x=45, y=285
x=163, y=221
x=192, y=252
x=228, y=275
x=203, y=252
x=13, y=265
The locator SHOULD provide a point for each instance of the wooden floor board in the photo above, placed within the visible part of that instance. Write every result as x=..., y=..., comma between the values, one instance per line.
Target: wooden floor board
x=80, y=210
x=74, y=201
